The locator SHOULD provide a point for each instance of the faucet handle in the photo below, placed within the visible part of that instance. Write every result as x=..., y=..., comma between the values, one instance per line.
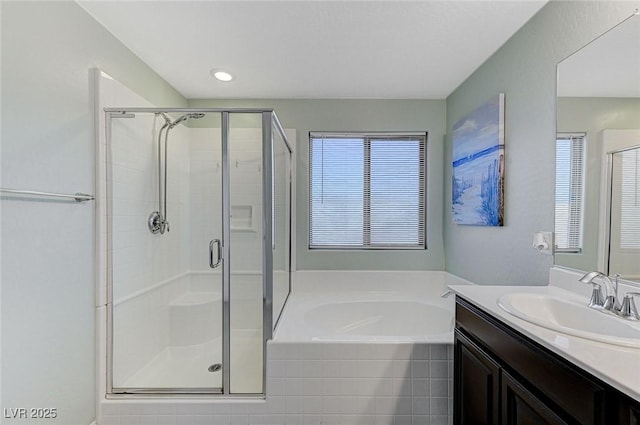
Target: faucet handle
x=597, y=299
x=628, y=310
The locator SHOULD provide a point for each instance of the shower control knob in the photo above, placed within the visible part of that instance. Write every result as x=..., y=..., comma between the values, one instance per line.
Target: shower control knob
x=155, y=223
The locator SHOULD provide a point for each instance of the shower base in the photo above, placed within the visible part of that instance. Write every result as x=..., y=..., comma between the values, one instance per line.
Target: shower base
x=187, y=367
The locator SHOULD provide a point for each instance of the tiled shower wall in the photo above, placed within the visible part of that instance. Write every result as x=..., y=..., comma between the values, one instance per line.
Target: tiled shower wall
x=147, y=269
x=322, y=384
x=141, y=259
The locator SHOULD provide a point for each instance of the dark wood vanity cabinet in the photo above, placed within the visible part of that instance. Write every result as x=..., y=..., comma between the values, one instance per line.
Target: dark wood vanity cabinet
x=502, y=377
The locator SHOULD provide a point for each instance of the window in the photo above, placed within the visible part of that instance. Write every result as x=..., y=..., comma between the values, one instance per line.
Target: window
x=569, y=192
x=367, y=191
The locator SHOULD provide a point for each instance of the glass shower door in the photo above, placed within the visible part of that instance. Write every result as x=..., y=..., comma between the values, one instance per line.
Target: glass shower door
x=207, y=240
x=166, y=285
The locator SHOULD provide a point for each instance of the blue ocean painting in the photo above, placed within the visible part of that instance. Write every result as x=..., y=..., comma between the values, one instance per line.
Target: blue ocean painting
x=478, y=166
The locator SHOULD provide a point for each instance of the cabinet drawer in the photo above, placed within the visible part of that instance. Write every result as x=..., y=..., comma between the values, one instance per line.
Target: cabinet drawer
x=551, y=378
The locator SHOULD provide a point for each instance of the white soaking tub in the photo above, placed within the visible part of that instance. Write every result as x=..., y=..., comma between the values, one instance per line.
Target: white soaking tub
x=383, y=308
x=366, y=347
x=361, y=317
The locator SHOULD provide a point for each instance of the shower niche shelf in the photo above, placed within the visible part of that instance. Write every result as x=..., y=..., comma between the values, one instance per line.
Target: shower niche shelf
x=242, y=218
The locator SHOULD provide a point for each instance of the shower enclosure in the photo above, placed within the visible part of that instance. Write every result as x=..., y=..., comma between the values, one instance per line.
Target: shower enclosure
x=198, y=224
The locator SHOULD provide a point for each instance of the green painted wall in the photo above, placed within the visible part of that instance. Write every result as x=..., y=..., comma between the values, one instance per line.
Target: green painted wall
x=307, y=115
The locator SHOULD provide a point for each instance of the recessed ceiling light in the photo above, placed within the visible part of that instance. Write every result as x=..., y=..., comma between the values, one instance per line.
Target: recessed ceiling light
x=221, y=75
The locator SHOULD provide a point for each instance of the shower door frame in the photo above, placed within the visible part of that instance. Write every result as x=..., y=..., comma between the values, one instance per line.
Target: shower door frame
x=270, y=123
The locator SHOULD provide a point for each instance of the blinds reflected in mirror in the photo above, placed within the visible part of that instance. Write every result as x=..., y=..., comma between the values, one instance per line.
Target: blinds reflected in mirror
x=570, y=149
x=629, y=184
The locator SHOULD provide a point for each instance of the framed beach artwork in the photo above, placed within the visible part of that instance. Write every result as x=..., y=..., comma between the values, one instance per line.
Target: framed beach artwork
x=478, y=166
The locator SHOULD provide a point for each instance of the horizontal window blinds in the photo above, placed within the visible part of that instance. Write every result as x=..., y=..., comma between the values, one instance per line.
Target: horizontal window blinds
x=630, y=200
x=569, y=202
x=337, y=192
x=367, y=191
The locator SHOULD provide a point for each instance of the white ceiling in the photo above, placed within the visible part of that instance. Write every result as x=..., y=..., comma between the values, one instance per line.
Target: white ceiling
x=314, y=49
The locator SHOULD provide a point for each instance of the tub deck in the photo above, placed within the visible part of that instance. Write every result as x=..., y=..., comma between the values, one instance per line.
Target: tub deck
x=372, y=316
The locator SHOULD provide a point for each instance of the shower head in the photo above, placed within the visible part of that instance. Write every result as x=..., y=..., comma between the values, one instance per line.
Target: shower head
x=194, y=115
x=178, y=121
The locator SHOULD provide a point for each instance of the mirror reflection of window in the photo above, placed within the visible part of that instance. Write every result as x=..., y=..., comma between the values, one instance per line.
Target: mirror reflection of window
x=625, y=214
x=630, y=200
x=569, y=202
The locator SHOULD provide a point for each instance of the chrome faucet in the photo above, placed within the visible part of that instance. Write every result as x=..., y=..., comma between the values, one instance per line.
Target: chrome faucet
x=627, y=310
x=608, y=302
x=447, y=293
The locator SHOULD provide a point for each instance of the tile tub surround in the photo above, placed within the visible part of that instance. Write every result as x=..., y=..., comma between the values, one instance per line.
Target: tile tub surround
x=362, y=383
x=321, y=383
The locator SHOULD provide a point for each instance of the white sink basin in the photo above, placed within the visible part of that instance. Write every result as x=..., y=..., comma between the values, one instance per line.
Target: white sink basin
x=571, y=318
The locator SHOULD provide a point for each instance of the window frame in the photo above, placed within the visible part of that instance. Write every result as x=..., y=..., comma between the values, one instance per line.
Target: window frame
x=368, y=137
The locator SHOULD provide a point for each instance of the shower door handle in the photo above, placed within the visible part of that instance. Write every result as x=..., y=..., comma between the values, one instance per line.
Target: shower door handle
x=218, y=257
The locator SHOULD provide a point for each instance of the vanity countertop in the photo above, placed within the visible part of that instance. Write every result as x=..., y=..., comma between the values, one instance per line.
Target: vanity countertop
x=615, y=365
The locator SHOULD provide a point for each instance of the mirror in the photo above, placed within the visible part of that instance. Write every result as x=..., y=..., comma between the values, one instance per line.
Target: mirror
x=597, y=161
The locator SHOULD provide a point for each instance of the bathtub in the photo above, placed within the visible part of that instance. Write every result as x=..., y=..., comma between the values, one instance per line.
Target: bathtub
x=366, y=347
x=375, y=316
x=361, y=306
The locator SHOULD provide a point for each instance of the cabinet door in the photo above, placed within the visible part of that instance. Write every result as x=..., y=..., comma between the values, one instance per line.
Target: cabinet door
x=628, y=411
x=476, y=385
x=634, y=412
x=521, y=407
